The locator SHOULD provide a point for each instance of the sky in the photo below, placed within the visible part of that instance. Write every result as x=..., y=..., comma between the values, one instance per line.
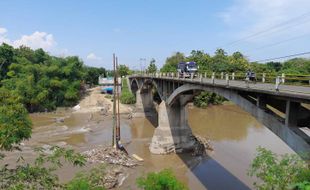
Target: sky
x=139, y=30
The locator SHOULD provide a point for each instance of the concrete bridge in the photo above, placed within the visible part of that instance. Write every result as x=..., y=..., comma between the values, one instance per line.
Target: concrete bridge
x=284, y=109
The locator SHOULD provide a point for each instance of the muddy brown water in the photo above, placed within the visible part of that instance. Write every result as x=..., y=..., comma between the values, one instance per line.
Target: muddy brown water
x=234, y=134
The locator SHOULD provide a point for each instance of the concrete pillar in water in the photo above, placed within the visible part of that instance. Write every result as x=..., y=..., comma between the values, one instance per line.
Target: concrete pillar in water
x=144, y=104
x=173, y=133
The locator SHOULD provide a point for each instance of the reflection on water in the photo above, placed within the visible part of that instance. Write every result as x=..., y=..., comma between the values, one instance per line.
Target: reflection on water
x=222, y=122
x=235, y=136
x=215, y=177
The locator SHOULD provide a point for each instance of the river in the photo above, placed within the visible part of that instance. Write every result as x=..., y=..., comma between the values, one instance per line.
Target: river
x=234, y=134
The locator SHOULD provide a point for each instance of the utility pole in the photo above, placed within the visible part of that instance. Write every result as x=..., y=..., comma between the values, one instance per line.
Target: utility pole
x=114, y=104
x=118, y=132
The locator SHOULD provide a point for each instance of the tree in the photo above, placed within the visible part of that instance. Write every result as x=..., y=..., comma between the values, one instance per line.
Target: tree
x=220, y=61
x=203, y=60
x=172, y=62
x=6, y=58
x=152, y=67
x=206, y=98
x=159, y=181
x=276, y=66
x=123, y=70
x=285, y=172
x=15, y=124
x=43, y=81
x=296, y=66
x=237, y=63
x=92, y=74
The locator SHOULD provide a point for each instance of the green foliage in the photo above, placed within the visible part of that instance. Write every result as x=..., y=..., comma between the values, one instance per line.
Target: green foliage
x=126, y=97
x=285, y=172
x=15, y=125
x=172, y=62
x=152, y=67
x=296, y=66
x=39, y=175
x=92, y=180
x=6, y=59
x=305, y=185
x=205, y=98
x=123, y=70
x=43, y=81
x=164, y=179
x=92, y=74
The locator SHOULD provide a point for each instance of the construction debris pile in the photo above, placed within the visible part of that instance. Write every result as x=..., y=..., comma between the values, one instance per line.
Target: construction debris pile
x=110, y=155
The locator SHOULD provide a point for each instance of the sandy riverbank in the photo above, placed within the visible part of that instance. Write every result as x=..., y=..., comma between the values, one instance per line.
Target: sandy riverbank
x=94, y=101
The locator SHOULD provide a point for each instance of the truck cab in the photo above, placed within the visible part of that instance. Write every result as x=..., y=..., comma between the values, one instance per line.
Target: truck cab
x=185, y=69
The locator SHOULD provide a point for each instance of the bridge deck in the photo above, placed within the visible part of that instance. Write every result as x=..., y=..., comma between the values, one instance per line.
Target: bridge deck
x=291, y=91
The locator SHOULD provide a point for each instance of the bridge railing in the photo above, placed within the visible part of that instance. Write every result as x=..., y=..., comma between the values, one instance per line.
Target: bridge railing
x=288, y=79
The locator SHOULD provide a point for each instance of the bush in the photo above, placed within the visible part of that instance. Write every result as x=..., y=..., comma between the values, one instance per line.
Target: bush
x=206, y=98
x=126, y=97
x=92, y=180
x=163, y=180
x=285, y=172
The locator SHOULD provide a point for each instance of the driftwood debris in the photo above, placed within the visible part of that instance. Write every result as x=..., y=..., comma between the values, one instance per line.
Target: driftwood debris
x=110, y=155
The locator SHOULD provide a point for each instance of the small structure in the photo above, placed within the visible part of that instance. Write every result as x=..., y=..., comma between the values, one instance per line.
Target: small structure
x=107, y=84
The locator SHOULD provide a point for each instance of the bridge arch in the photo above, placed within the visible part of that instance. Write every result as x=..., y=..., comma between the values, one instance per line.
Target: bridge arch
x=134, y=86
x=266, y=118
x=175, y=93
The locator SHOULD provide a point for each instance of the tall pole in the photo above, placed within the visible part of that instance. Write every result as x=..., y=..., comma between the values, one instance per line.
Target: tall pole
x=114, y=106
x=118, y=126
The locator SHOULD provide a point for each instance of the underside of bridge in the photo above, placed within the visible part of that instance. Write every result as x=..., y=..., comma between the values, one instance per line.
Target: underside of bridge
x=283, y=116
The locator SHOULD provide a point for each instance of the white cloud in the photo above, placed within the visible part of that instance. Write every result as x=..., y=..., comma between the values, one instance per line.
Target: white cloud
x=92, y=56
x=253, y=16
x=3, y=36
x=36, y=40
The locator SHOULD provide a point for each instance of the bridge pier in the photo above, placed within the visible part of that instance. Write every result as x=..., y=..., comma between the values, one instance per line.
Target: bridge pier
x=144, y=104
x=173, y=133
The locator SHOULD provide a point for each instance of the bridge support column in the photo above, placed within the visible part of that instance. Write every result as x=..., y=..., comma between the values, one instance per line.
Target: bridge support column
x=291, y=113
x=144, y=104
x=173, y=133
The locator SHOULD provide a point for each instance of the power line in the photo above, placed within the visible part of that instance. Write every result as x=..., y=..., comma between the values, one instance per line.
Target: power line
x=280, y=42
x=282, y=57
x=269, y=29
